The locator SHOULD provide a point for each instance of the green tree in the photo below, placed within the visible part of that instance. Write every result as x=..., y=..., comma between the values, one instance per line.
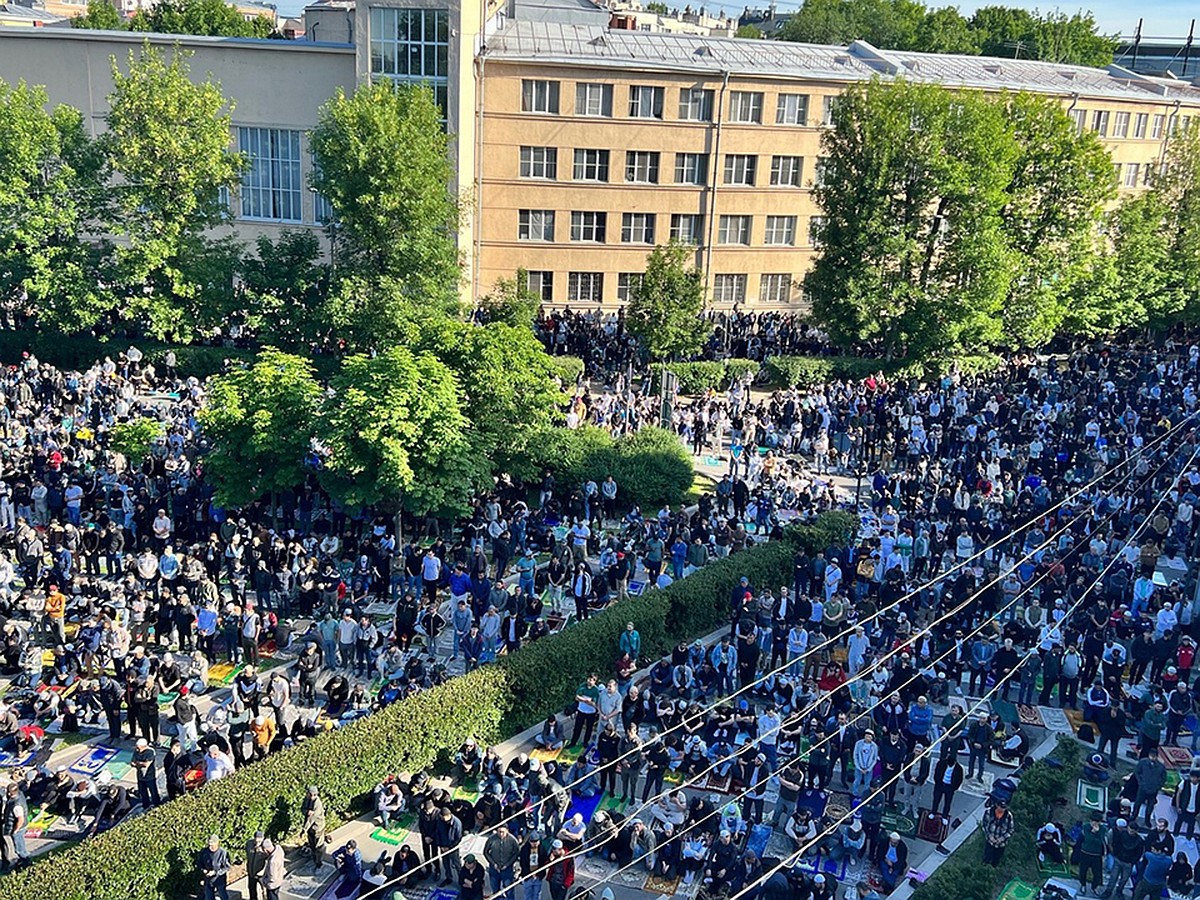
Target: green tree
x=748, y=31
x=393, y=428
x=509, y=383
x=133, y=439
x=50, y=190
x=101, y=15
x=382, y=162
x=666, y=308
x=512, y=301
x=887, y=24
x=370, y=313
x=1015, y=33
x=945, y=31
x=1060, y=183
x=260, y=421
x=660, y=8
x=168, y=144
x=211, y=18
x=1176, y=182
x=914, y=259
x=284, y=289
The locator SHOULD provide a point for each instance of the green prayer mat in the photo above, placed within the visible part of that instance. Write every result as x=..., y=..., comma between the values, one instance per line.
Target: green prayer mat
x=1091, y=796
x=1051, y=868
x=390, y=837
x=711, y=461
x=569, y=755
x=464, y=793
x=1006, y=711
x=894, y=820
x=1018, y=890
x=613, y=804
x=168, y=699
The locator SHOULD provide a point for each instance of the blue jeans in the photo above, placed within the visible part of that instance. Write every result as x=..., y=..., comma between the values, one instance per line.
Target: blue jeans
x=862, y=783
x=502, y=880
x=533, y=888
x=527, y=584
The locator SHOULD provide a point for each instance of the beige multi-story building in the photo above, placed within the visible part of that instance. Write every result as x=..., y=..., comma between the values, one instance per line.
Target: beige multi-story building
x=577, y=147
x=600, y=144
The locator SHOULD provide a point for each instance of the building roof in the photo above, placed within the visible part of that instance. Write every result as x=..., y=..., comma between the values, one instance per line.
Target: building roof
x=184, y=40
x=589, y=45
x=16, y=13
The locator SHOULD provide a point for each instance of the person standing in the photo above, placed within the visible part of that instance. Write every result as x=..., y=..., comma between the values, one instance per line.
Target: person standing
x=1093, y=845
x=314, y=827
x=587, y=701
x=16, y=820
x=213, y=863
x=256, y=862
x=273, y=871
x=502, y=853
x=449, y=836
x=562, y=872
x=147, y=774
x=997, y=831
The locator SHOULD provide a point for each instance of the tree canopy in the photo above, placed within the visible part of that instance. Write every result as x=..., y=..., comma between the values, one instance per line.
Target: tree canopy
x=1001, y=31
x=666, y=306
x=209, y=18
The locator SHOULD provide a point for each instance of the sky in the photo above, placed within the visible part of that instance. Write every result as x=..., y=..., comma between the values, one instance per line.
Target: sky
x=1163, y=18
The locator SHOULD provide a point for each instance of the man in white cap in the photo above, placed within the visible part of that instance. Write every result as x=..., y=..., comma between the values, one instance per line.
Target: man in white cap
x=893, y=861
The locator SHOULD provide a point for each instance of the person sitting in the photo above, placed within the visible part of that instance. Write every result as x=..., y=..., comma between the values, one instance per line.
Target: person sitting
x=582, y=775
x=406, y=867
x=601, y=835
x=337, y=690
x=1050, y=844
x=803, y=831
x=348, y=861
x=114, y=805
x=551, y=735
x=1096, y=770
x=389, y=801
x=893, y=861
x=849, y=841
x=1015, y=746
x=573, y=832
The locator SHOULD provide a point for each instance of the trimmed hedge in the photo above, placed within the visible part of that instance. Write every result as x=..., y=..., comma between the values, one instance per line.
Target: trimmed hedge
x=809, y=371
x=544, y=675
x=698, y=377
x=153, y=855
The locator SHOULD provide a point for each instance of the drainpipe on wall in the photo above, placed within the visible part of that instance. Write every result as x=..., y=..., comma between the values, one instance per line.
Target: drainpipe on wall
x=714, y=171
x=476, y=228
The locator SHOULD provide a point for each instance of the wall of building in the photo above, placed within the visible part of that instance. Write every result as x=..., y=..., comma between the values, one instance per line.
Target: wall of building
x=273, y=84
x=505, y=192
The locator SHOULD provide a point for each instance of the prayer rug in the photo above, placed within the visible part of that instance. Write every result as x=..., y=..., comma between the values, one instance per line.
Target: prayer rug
x=1005, y=710
x=40, y=824
x=1175, y=757
x=1091, y=796
x=614, y=804
x=836, y=868
x=585, y=806
x=568, y=755
x=1049, y=867
x=757, y=839
x=223, y=673
x=168, y=699
x=814, y=801
x=543, y=755
x=1018, y=890
x=1172, y=781
x=636, y=588
x=1075, y=717
x=1030, y=715
x=712, y=461
x=93, y=761
x=899, y=822
x=932, y=828
x=1054, y=719
x=839, y=805
x=656, y=885
x=462, y=792
x=673, y=777
x=718, y=783
x=393, y=838
x=997, y=760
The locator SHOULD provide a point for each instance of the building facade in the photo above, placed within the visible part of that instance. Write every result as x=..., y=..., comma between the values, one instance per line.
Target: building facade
x=577, y=148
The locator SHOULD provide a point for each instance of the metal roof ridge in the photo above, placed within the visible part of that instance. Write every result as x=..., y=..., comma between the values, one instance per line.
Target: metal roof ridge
x=876, y=58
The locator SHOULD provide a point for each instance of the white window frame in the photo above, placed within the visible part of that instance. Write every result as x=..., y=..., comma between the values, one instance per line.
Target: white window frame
x=772, y=284
x=589, y=227
x=791, y=109
x=593, y=99
x=591, y=160
x=272, y=187
x=642, y=166
x=625, y=284
x=585, y=287
x=1157, y=123
x=790, y=166
x=535, y=225
x=540, y=96
x=1133, y=173
x=734, y=230
x=1121, y=125
x=1100, y=120
x=741, y=169
x=540, y=282
x=729, y=288
x=780, y=231
x=691, y=168
x=540, y=163
x=695, y=229
x=638, y=227
x=815, y=225
x=1140, y=121
x=645, y=101
x=745, y=107
x=695, y=104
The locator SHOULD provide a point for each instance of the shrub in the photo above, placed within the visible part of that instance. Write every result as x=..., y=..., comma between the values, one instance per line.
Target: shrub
x=694, y=377
x=652, y=468
x=569, y=369
x=573, y=455
x=133, y=439
x=830, y=529
x=735, y=369
x=153, y=855
x=799, y=371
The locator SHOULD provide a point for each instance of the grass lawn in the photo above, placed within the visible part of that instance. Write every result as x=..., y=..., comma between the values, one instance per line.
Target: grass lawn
x=701, y=484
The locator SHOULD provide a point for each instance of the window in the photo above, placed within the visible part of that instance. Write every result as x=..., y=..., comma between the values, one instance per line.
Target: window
x=626, y=283
x=1121, y=125
x=1132, y=172
x=591, y=165
x=739, y=168
x=271, y=186
x=729, y=289
x=589, y=227
x=1156, y=127
x=322, y=208
x=1078, y=118
x=1100, y=122
x=1139, y=126
x=781, y=230
x=687, y=228
x=775, y=288
x=637, y=228
x=645, y=102
x=542, y=284
x=691, y=168
x=593, y=99
x=816, y=228
x=412, y=45
x=585, y=287
x=827, y=104
x=746, y=106
x=539, y=96
x=1116, y=173
x=733, y=230
x=535, y=225
x=695, y=104
x=792, y=109
x=787, y=171
x=539, y=162
x=641, y=166
x=819, y=171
